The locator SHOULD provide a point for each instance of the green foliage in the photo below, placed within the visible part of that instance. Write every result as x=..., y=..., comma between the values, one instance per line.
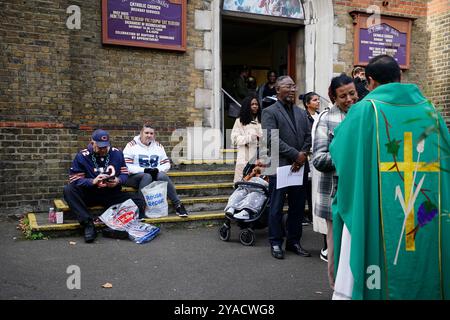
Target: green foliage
x=24, y=226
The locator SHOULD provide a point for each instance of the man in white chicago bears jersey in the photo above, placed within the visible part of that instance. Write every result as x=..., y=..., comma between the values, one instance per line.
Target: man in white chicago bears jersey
x=147, y=161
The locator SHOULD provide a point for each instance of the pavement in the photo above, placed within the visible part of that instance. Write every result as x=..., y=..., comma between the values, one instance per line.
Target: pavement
x=181, y=263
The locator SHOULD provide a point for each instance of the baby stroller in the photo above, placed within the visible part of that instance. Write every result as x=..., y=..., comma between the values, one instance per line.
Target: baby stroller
x=258, y=220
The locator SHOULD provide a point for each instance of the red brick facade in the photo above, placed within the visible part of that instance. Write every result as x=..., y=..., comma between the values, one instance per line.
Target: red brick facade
x=438, y=64
x=57, y=85
x=430, y=57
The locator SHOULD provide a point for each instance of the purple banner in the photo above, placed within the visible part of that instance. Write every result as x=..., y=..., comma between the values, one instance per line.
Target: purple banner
x=146, y=21
x=382, y=39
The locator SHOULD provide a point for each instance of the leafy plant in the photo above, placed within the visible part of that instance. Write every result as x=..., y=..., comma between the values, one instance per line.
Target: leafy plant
x=24, y=226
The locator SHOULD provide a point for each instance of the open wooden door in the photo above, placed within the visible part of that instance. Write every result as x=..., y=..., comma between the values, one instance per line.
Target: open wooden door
x=291, y=61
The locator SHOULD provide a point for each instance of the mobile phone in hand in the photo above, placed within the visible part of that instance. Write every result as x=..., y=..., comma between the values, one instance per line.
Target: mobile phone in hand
x=109, y=179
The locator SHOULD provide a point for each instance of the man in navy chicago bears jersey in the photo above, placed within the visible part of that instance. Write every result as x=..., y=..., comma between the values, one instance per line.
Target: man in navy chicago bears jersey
x=96, y=176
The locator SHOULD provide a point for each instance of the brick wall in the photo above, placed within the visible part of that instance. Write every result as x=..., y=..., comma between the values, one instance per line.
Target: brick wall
x=57, y=84
x=438, y=80
x=430, y=57
x=419, y=37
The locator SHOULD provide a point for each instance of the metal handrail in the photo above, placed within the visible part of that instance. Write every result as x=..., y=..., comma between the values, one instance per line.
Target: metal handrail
x=229, y=96
x=324, y=98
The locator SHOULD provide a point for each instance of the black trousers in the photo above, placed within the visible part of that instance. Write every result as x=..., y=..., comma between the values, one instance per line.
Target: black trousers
x=308, y=189
x=296, y=201
x=80, y=198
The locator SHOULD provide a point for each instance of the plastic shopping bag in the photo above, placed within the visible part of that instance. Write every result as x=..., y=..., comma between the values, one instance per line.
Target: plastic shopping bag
x=119, y=215
x=140, y=232
x=155, y=195
x=124, y=218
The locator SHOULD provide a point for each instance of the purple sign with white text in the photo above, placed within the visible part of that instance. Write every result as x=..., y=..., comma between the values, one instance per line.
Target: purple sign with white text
x=382, y=39
x=147, y=23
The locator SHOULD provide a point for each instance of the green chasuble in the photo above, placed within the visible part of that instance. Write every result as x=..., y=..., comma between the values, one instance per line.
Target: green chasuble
x=392, y=158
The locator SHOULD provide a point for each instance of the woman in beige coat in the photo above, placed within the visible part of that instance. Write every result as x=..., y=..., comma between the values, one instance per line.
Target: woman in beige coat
x=246, y=133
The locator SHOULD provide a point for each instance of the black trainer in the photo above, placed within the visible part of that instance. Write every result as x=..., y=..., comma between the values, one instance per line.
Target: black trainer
x=277, y=252
x=89, y=232
x=181, y=210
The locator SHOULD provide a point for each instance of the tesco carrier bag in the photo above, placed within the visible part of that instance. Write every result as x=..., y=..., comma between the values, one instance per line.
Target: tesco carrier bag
x=123, y=218
x=155, y=195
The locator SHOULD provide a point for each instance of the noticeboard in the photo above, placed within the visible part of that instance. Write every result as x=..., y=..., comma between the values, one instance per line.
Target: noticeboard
x=391, y=35
x=159, y=24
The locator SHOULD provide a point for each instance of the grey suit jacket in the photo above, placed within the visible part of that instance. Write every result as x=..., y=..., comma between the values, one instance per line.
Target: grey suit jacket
x=292, y=139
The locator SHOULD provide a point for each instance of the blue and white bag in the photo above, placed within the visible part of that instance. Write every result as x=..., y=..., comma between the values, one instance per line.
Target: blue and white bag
x=155, y=195
x=140, y=232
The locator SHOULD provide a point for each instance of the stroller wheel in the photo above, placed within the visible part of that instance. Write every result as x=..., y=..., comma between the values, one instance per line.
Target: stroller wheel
x=224, y=232
x=247, y=237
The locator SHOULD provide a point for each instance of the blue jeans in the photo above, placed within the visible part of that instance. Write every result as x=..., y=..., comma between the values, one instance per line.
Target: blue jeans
x=141, y=180
x=296, y=201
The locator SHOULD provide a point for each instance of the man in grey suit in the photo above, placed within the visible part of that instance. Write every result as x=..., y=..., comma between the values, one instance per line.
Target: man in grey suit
x=287, y=125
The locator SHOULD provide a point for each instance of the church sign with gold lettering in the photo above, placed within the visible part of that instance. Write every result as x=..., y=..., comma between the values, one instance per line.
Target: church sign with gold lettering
x=381, y=35
x=159, y=24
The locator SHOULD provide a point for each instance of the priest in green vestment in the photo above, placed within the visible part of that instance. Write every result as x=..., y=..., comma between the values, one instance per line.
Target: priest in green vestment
x=391, y=217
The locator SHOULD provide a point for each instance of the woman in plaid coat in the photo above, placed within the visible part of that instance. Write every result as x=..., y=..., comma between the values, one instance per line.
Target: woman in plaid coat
x=343, y=93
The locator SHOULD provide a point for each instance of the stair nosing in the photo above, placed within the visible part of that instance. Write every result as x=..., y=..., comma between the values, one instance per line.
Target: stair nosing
x=186, y=200
x=218, y=161
x=209, y=215
x=195, y=186
x=199, y=173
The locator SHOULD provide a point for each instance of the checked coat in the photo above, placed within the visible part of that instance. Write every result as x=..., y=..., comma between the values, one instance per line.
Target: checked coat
x=326, y=179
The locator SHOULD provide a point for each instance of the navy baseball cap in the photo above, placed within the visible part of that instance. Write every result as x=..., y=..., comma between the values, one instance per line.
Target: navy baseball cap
x=101, y=137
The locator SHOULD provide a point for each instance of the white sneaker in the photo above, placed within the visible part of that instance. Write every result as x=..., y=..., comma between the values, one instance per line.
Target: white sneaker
x=230, y=211
x=244, y=215
x=324, y=255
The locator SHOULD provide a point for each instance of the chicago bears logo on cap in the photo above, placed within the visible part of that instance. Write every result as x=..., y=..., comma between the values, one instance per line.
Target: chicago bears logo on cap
x=101, y=137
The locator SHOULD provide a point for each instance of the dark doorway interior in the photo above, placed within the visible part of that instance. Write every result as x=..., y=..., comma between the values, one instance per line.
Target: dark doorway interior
x=259, y=47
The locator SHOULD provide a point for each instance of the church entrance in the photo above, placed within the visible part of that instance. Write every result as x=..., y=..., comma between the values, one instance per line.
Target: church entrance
x=258, y=47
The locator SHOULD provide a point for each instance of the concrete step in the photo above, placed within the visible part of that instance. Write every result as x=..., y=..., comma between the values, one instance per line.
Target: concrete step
x=198, y=189
x=204, y=189
x=203, y=165
x=192, y=204
x=39, y=222
x=191, y=177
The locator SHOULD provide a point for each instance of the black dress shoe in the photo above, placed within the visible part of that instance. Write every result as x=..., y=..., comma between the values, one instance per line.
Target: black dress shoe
x=277, y=252
x=297, y=249
x=89, y=232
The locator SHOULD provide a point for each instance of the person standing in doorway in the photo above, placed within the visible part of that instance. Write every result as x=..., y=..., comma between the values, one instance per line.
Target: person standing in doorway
x=267, y=90
x=240, y=84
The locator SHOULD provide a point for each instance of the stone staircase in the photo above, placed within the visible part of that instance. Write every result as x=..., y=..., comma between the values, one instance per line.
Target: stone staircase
x=203, y=186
